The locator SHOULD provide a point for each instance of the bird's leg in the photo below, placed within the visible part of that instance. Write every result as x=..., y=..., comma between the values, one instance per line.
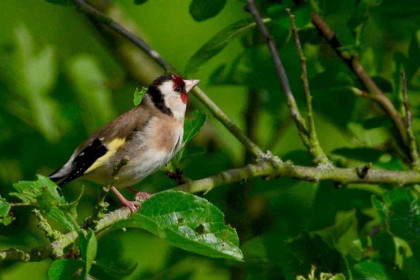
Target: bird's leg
x=141, y=195
x=132, y=205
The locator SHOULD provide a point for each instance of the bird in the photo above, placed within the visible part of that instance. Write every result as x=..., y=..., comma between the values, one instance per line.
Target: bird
x=135, y=144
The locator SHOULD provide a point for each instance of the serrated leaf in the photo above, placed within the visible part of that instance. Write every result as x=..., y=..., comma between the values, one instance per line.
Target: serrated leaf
x=88, y=246
x=217, y=43
x=188, y=222
x=202, y=10
x=193, y=126
x=64, y=269
x=5, y=218
x=43, y=194
x=138, y=95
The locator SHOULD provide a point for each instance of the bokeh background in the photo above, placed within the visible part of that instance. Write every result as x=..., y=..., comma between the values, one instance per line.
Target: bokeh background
x=60, y=81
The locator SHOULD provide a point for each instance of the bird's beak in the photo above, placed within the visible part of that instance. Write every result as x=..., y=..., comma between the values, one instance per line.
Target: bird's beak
x=189, y=84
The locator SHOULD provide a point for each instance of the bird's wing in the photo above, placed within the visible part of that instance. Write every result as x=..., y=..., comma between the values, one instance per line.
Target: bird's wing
x=94, y=152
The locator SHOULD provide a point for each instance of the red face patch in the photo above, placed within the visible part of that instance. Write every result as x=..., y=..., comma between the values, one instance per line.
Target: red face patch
x=179, y=86
x=178, y=82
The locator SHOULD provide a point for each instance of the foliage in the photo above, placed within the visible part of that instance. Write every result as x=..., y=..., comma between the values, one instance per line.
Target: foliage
x=58, y=85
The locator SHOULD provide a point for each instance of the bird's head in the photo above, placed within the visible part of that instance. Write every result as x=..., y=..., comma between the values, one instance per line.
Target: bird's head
x=169, y=93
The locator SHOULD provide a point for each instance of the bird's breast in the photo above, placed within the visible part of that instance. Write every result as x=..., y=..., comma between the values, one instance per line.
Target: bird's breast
x=149, y=150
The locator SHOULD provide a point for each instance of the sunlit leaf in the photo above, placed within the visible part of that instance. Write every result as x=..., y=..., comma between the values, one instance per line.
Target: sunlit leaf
x=217, y=43
x=64, y=269
x=202, y=10
x=188, y=222
x=138, y=95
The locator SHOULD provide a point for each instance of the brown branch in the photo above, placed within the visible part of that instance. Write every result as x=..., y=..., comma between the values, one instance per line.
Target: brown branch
x=415, y=162
x=356, y=67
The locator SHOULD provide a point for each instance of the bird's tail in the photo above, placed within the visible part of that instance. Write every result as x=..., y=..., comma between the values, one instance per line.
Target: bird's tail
x=60, y=176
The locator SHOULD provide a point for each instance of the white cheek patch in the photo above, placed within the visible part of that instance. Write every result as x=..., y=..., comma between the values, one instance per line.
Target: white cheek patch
x=166, y=88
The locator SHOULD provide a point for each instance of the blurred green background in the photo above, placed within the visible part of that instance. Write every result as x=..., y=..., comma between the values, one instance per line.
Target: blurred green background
x=60, y=81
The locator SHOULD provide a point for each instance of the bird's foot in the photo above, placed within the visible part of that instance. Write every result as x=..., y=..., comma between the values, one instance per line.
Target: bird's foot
x=143, y=196
x=132, y=205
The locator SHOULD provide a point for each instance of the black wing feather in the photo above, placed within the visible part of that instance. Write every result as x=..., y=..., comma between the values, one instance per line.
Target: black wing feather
x=83, y=161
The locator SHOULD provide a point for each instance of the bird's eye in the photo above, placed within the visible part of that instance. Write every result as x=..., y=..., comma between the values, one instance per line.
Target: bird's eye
x=178, y=88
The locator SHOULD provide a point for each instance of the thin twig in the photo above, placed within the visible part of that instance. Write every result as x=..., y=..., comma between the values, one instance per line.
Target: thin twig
x=415, y=162
x=315, y=149
x=281, y=74
x=356, y=67
x=100, y=19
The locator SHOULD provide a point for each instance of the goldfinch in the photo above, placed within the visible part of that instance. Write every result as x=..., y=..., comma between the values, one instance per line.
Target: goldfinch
x=136, y=144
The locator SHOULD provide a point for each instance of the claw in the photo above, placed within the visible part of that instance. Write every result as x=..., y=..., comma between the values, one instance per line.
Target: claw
x=132, y=205
x=143, y=195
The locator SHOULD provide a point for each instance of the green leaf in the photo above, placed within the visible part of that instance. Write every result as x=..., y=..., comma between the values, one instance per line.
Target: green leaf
x=64, y=269
x=138, y=95
x=88, y=246
x=193, y=126
x=202, y=10
x=5, y=218
x=139, y=2
x=369, y=270
x=187, y=222
x=217, y=43
x=43, y=194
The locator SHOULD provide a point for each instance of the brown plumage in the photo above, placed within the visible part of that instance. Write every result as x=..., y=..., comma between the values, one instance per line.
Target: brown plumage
x=144, y=139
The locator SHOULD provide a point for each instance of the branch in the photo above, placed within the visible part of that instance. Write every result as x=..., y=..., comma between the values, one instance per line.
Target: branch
x=132, y=58
x=314, y=146
x=415, y=163
x=360, y=175
x=373, y=90
x=281, y=74
x=101, y=18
